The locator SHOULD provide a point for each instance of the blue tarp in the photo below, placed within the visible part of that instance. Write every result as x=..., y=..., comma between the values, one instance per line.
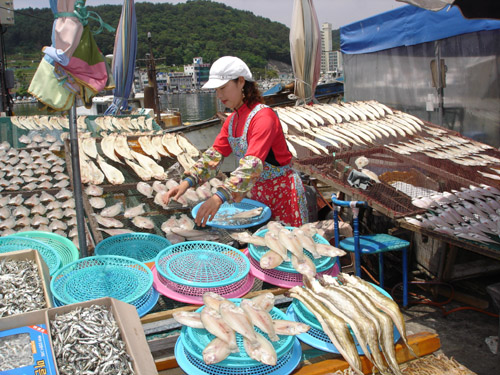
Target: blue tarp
x=406, y=26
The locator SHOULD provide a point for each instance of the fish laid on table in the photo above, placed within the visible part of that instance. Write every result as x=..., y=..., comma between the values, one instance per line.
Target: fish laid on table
x=134, y=211
x=148, y=148
x=122, y=148
x=89, y=147
x=144, y=174
x=149, y=164
x=113, y=175
x=143, y=222
x=145, y=189
x=113, y=210
x=97, y=202
x=156, y=143
x=114, y=232
x=170, y=143
x=108, y=147
x=108, y=222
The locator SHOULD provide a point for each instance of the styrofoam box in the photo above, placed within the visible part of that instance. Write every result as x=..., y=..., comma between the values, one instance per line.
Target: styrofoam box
x=43, y=270
x=126, y=318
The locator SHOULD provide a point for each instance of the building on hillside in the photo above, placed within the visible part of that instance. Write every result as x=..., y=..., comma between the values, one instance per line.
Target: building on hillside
x=198, y=71
x=180, y=82
x=331, y=61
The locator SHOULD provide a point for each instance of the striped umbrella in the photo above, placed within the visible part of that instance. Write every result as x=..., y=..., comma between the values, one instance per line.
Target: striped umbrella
x=124, y=55
x=305, y=49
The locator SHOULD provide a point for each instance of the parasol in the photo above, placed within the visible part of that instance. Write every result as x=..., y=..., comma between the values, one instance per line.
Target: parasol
x=305, y=49
x=124, y=55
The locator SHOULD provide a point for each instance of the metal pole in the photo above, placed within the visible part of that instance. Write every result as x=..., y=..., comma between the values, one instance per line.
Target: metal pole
x=77, y=182
x=153, y=77
x=3, y=86
x=439, y=82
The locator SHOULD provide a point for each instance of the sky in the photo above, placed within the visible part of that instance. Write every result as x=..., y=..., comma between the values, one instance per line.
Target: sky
x=335, y=12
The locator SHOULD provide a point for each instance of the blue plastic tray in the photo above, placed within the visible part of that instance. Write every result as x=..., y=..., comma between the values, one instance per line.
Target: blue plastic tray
x=322, y=264
x=202, y=264
x=94, y=277
x=143, y=247
x=47, y=252
x=195, y=340
x=222, y=218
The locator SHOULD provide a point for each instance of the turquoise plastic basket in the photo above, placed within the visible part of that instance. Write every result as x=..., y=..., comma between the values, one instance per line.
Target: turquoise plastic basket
x=47, y=252
x=195, y=340
x=143, y=247
x=322, y=264
x=202, y=264
x=94, y=277
x=66, y=249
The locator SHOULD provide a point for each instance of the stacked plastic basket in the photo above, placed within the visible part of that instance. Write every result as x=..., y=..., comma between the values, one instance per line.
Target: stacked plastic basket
x=192, y=341
x=185, y=271
x=285, y=275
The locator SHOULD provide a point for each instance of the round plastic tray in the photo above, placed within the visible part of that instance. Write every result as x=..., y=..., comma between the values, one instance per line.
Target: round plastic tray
x=94, y=277
x=223, y=217
x=193, y=366
x=47, y=252
x=143, y=247
x=315, y=337
x=66, y=249
x=193, y=295
x=195, y=340
x=283, y=279
x=322, y=263
x=202, y=264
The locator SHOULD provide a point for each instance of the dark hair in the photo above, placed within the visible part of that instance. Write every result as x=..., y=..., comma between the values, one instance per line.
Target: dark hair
x=252, y=93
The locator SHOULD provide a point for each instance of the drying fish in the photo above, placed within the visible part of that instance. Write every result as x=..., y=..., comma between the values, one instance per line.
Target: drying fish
x=217, y=326
x=156, y=143
x=247, y=237
x=329, y=250
x=289, y=328
x=69, y=212
x=170, y=143
x=57, y=224
x=143, y=173
x=288, y=239
x=5, y=213
x=184, y=222
x=108, y=222
x=304, y=266
x=8, y=223
x=89, y=147
x=150, y=165
x=122, y=148
x=108, y=147
x=306, y=241
x=113, y=175
x=263, y=351
x=265, y=301
x=246, y=214
x=143, y=222
x=148, y=148
x=24, y=222
x=259, y=318
x=188, y=233
x=17, y=200
x=217, y=350
x=238, y=320
x=158, y=186
x=145, y=189
x=113, y=210
x=114, y=232
x=134, y=211
x=55, y=214
x=93, y=190
x=187, y=146
x=274, y=244
x=185, y=161
x=65, y=194
x=39, y=209
x=167, y=225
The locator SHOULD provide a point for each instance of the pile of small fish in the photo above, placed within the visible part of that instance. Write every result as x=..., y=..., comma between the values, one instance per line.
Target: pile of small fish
x=88, y=341
x=369, y=314
x=224, y=319
x=21, y=288
x=15, y=351
x=286, y=245
x=344, y=125
x=33, y=170
x=472, y=213
x=145, y=164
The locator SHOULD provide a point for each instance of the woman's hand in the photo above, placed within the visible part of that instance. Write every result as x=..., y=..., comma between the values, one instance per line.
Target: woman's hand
x=176, y=192
x=208, y=210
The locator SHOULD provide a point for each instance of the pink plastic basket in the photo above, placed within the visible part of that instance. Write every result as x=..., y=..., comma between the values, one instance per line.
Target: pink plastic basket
x=193, y=295
x=281, y=278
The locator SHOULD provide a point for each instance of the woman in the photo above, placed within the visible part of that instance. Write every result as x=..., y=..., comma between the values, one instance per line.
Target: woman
x=254, y=134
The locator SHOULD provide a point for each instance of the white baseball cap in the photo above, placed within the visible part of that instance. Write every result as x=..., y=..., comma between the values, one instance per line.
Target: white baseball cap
x=225, y=69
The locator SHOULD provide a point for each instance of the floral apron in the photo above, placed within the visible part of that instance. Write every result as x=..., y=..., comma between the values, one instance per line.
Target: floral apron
x=279, y=187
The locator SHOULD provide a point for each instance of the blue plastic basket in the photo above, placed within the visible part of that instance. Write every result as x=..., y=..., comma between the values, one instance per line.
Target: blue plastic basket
x=144, y=304
x=64, y=247
x=47, y=252
x=223, y=217
x=202, y=264
x=89, y=278
x=195, y=340
x=143, y=247
x=322, y=264
x=194, y=366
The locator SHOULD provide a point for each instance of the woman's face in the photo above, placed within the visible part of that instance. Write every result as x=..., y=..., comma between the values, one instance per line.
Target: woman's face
x=231, y=94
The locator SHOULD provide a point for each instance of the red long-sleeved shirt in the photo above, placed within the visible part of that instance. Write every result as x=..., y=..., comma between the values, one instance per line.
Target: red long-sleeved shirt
x=264, y=134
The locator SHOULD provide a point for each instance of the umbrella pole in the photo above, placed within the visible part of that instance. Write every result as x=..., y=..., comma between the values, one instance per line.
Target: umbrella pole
x=77, y=182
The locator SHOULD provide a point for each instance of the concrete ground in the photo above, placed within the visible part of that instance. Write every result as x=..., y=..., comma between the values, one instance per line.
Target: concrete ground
x=463, y=334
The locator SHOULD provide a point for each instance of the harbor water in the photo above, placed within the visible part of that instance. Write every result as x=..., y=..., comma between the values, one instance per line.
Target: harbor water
x=193, y=106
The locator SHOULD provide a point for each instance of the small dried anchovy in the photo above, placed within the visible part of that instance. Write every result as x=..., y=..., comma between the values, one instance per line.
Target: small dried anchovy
x=87, y=341
x=15, y=351
x=21, y=287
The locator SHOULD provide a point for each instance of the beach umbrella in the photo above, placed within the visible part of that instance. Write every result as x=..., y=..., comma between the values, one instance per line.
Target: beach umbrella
x=124, y=54
x=305, y=49
x=73, y=66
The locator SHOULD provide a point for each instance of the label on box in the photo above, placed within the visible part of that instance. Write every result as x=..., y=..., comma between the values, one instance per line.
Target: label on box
x=27, y=351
